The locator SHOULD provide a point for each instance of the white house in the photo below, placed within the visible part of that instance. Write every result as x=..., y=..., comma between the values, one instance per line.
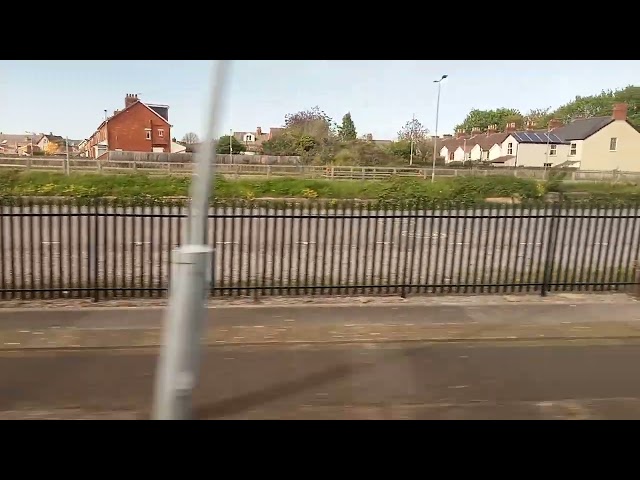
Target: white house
x=535, y=149
x=603, y=143
x=481, y=146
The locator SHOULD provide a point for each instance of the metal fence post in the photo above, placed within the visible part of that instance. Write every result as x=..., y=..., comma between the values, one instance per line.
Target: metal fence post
x=551, y=249
x=94, y=253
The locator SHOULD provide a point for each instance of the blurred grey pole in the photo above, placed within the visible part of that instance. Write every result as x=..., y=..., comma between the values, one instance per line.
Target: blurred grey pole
x=435, y=139
x=178, y=365
x=66, y=164
x=231, y=146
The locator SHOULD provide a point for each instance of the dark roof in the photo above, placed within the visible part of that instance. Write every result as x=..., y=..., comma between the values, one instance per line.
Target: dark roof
x=486, y=141
x=54, y=138
x=538, y=137
x=582, y=128
x=162, y=110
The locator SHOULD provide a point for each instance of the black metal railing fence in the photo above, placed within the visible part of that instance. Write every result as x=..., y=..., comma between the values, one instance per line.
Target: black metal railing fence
x=109, y=249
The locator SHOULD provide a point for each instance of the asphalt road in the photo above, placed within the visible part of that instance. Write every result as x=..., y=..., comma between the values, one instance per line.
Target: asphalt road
x=72, y=248
x=371, y=381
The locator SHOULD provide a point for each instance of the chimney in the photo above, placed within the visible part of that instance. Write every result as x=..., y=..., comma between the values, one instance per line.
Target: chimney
x=554, y=123
x=460, y=133
x=475, y=131
x=258, y=131
x=491, y=129
x=620, y=111
x=530, y=126
x=510, y=127
x=130, y=99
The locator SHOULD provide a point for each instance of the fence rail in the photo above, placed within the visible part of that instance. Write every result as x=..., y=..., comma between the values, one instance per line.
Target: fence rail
x=101, y=250
x=302, y=171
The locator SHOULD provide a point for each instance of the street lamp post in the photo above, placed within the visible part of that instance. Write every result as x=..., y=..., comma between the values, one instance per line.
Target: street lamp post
x=179, y=361
x=31, y=134
x=435, y=139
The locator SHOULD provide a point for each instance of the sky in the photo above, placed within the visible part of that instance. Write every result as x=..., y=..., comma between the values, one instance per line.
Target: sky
x=68, y=97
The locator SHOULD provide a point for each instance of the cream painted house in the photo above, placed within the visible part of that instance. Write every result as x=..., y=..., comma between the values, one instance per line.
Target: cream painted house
x=478, y=152
x=603, y=143
x=535, y=149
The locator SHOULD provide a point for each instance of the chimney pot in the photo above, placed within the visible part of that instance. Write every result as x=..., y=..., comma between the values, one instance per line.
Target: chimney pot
x=511, y=127
x=258, y=131
x=130, y=99
x=620, y=111
x=554, y=123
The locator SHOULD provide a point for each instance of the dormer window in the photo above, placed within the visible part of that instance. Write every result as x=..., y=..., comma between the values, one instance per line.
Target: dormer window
x=249, y=137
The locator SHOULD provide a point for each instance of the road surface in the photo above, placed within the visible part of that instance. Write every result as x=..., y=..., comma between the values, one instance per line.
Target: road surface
x=130, y=248
x=372, y=381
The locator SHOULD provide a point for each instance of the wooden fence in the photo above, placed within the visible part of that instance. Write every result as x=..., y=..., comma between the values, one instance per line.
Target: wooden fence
x=300, y=171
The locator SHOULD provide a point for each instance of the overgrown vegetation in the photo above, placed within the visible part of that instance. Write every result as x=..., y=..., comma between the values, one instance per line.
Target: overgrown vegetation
x=461, y=190
x=589, y=106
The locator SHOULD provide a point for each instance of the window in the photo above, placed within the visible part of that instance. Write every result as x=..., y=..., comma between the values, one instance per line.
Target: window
x=509, y=148
x=573, y=150
x=613, y=144
x=160, y=132
x=249, y=138
x=452, y=156
x=553, y=149
x=148, y=134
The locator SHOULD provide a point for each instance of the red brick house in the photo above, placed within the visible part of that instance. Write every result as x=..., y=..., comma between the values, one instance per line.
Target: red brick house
x=139, y=127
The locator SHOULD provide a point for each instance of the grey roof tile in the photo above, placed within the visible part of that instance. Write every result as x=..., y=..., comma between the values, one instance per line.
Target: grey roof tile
x=582, y=128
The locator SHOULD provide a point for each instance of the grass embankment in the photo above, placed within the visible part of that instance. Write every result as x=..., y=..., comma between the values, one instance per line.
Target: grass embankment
x=464, y=190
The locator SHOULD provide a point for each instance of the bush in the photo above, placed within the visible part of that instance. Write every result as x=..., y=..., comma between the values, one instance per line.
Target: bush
x=461, y=190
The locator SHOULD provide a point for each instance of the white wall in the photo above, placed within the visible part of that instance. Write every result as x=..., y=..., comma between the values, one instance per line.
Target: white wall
x=476, y=153
x=495, y=151
x=444, y=153
x=458, y=155
x=594, y=152
x=535, y=154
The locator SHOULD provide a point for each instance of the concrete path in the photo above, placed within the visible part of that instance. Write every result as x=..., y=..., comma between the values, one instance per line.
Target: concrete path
x=330, y=323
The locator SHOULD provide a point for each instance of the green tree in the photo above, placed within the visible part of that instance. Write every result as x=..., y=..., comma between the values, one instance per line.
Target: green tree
x=483, y=118
x=400, y=149
x=414, y=131
x=602, y=105
x=347, y=130
x=223, y=145
x=537, y=117
x=289, y=143
x=313, y=122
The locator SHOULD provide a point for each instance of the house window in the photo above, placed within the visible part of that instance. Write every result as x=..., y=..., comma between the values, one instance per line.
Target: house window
x=160, y=132
x=452, y=156
x=573, y=150
x=613, y=144
x=249, y=138
x=553, y=149
x=509, y=148
x=148, y=134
